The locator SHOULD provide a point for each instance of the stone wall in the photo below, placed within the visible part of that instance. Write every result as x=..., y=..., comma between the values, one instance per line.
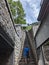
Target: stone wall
x=42, y=36
x=43, y=33
x=41, y=59
x=32, y=43
x=35, y=27
x=46, y=52
x=20, y=43
x=5, y=19
x=6, y=23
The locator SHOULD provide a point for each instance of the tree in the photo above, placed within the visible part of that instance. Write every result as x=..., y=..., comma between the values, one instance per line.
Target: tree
x=12, y=7
x=17, y=12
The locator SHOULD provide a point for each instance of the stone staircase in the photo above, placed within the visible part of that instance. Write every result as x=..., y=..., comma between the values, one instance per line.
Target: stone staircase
x=31, y=59
x=31, y=62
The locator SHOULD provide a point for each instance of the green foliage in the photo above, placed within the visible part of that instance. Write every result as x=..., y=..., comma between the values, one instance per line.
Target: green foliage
x=20, y=10
x=24, y=28
x=17, y=12
x=27, y=27
x=12, y=7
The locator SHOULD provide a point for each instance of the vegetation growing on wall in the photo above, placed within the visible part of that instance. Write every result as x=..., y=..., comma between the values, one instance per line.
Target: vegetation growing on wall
x=27, y=27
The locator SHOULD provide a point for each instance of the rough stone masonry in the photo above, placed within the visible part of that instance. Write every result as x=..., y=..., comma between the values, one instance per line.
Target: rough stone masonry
x=6, y=23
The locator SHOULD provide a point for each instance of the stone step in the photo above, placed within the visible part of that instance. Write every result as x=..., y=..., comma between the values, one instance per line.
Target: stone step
x=31, y=63
x=31, y=56
x=31, y=60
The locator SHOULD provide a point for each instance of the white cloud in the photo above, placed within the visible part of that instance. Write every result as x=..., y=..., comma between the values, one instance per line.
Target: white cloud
x=31, y=8
x=15, y=0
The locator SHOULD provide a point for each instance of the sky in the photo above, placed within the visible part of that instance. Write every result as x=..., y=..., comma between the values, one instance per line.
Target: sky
x=31, y=8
